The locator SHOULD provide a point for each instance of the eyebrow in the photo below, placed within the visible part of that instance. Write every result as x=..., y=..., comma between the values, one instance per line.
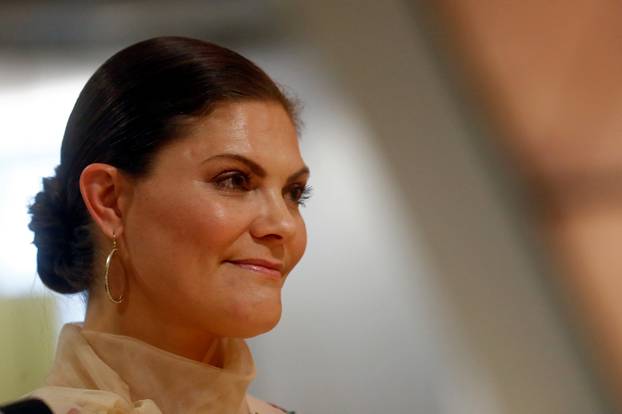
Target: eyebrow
x=256, y=168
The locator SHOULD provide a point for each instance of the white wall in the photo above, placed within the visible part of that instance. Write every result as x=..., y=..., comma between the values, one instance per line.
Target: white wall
x=360, y=330
x=343, y=332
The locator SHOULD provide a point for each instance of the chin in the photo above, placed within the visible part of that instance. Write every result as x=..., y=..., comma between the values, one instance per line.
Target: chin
x=257, y=323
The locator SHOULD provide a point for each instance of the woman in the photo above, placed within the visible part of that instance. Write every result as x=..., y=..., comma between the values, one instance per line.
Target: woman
x=176, y=208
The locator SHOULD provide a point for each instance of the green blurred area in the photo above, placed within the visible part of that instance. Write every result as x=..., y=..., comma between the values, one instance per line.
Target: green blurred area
x=27, y=329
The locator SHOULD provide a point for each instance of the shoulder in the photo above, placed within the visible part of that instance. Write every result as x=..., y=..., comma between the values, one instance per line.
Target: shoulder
x=258, y=406
x=66, y=400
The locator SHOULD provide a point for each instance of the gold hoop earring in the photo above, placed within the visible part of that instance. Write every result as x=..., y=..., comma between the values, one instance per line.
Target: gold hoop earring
x=108, y=261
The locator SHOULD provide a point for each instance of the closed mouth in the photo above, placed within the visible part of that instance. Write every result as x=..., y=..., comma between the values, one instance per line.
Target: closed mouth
x=259, y=265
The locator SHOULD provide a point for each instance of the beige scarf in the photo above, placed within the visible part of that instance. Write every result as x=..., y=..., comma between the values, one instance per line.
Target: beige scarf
x=106, y=373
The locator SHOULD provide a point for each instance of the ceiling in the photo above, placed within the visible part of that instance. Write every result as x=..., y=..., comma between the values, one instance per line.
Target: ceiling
x=77, y=25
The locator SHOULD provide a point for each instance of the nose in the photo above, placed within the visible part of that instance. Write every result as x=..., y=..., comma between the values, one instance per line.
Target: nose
x=275, y=220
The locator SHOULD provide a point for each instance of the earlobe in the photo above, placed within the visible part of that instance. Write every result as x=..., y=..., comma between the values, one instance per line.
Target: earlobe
x=100, y=186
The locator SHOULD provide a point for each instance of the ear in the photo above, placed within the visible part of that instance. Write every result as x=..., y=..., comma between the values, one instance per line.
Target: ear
x=104, y=191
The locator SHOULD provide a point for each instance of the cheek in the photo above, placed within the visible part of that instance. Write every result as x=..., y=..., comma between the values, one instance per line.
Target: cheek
x=183, y=233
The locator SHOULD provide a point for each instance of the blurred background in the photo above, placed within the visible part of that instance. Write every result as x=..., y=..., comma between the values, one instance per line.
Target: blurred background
x=463, y=236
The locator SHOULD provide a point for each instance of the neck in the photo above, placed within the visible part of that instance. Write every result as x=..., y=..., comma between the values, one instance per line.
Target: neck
x=127, y=319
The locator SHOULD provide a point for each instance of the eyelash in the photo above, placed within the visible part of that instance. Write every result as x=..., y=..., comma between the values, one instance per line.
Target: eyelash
x=299, y=193
x=303, y=194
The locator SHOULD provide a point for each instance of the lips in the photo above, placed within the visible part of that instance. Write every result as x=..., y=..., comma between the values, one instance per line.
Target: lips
x=265, y=267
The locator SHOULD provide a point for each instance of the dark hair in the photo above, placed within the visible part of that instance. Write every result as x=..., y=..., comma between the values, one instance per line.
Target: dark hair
x=133, y=105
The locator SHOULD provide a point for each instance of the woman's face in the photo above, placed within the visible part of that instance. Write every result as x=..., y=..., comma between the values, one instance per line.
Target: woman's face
x=213, y=231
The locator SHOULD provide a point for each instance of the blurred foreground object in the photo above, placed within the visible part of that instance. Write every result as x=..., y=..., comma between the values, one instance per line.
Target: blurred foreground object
x=550, y=73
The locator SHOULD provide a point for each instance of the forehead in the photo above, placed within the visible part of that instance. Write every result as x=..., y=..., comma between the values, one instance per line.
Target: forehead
x=262, y=131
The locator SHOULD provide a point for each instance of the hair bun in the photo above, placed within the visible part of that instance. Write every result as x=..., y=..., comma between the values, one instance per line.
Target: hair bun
x=63, y=248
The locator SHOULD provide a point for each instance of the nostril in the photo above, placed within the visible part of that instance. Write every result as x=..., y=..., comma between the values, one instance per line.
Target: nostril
x=272, y=236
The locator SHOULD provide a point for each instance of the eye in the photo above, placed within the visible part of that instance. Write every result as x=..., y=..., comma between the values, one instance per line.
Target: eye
x=233, y=181
x=299, y=193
